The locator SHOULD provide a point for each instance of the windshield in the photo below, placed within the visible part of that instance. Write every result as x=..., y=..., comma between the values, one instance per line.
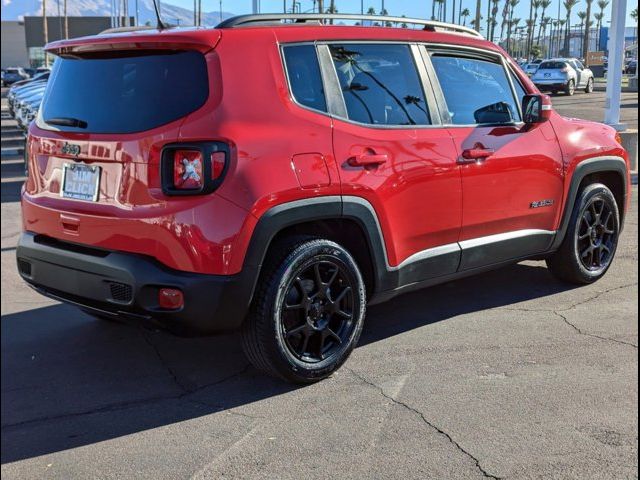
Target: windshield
x=125, y=94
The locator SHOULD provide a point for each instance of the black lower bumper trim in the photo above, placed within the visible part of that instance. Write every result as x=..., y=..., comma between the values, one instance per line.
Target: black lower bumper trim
x=86, y=277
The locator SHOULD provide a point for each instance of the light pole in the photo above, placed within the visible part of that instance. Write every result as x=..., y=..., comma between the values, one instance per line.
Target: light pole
x=614, y=74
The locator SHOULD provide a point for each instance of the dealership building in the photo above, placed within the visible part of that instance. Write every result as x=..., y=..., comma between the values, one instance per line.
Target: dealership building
x=23, y=41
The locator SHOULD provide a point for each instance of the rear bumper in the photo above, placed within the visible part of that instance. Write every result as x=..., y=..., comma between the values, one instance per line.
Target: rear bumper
x=126, y=285
x=550, y=84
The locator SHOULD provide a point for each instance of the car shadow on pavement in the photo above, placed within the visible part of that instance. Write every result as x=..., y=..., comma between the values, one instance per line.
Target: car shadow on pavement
x=70, y=381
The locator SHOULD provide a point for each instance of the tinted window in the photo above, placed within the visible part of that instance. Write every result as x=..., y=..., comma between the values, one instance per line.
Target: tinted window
x=380, y=84
x=476, y=91
x=128, y=93
x=552, y=65
x=305, y=79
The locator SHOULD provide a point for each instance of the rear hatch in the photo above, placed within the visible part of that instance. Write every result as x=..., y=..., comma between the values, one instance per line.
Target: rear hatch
x=552, y=70
x=110, y=106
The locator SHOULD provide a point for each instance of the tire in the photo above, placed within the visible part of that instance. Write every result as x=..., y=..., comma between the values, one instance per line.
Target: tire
x=589, y=87
x=591, y=240
x=570, y=88
x=307, y=313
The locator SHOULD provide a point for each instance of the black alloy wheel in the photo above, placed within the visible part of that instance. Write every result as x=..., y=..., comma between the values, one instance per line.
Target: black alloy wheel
x=596, y=235
x=317, y=315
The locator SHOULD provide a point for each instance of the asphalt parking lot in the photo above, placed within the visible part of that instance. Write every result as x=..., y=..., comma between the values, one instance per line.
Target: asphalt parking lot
x=510, y=374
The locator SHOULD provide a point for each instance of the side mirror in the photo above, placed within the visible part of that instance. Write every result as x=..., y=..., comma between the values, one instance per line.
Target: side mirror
x=535, y=109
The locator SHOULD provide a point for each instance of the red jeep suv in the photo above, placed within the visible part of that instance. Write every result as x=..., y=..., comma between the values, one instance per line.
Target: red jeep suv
x=276, y=174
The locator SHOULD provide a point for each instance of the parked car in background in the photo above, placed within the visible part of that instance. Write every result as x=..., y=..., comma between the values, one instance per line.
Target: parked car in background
x=334, y=167
x=632, y=67
x=35, y=78
x=29, y=91
x=14, y=74
x=531, y=68
x=563, y=75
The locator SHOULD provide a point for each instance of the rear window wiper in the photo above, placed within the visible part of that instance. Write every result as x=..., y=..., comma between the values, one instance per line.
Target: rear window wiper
x=67, y=122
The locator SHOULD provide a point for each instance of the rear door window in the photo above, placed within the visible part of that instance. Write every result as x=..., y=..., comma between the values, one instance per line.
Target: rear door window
x=476, y=91
x=380, y=84
x=305, y=79
x=125, y=94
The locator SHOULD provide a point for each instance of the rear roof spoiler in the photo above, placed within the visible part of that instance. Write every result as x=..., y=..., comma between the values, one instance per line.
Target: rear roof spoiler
x=202, y=40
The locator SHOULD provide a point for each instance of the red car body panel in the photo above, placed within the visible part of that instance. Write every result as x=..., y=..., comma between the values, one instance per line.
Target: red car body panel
x=282, y=152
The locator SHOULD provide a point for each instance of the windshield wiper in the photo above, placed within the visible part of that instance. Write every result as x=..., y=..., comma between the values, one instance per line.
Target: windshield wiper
x=67, y=122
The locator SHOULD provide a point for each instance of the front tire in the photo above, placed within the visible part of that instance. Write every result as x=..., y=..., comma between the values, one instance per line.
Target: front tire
x=307, y=313
x=590, y=243
x=570, y=88
x=589, y=87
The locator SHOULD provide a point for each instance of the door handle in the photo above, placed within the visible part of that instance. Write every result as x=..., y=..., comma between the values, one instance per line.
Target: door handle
x=368, y=160
x=475, y=154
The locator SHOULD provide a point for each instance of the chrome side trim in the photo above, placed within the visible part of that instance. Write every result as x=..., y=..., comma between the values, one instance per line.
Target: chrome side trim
x=429, y=253
x=501, y=237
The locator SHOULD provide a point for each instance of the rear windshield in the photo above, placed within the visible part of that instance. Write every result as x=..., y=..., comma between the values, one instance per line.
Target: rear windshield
x=124, y=94
x=552, y=65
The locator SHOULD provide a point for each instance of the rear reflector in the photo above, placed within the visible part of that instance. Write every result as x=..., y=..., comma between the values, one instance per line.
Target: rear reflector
x=218, y=161
x=170, y=298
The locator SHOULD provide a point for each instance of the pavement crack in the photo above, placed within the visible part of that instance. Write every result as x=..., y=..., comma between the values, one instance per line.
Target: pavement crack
x=133, y=403
x=408, y=407
x=581, y=332
x=598, y=295
x=176, y=379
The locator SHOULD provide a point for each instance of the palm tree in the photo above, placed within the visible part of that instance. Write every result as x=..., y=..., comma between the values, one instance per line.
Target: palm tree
x=561, y=32
x=582, y=16
x=512, y=6
x=544, y=4
x=568, y=5
x=602, y=4
x=531, y=27
x=465, y=14
x=513, y=30
x=529, y=24
x=494, y=21
x=478, y=15
x=587, y=30
x=433, y=9
x=440, y=4
x=528, y=29
x=505, y=18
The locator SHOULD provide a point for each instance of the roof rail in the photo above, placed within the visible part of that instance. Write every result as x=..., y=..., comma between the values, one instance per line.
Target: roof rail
x=246, y=20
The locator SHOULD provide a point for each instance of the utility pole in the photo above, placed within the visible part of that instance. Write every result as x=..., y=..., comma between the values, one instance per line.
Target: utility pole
x=45, y=31
x=255, y=7
x=66, y=21
x=320, y=6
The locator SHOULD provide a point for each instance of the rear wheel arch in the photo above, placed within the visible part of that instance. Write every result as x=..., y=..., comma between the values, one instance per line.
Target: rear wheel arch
x=347, y=222
x=610, y=171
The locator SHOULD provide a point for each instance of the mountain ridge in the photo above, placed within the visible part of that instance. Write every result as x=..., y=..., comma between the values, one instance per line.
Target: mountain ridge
x=173, y=14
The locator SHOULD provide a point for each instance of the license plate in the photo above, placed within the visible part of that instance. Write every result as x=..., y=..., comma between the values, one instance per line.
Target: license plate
x=80, y=181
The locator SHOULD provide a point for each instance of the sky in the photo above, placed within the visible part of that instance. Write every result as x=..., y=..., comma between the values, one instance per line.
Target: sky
x=410, y=8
